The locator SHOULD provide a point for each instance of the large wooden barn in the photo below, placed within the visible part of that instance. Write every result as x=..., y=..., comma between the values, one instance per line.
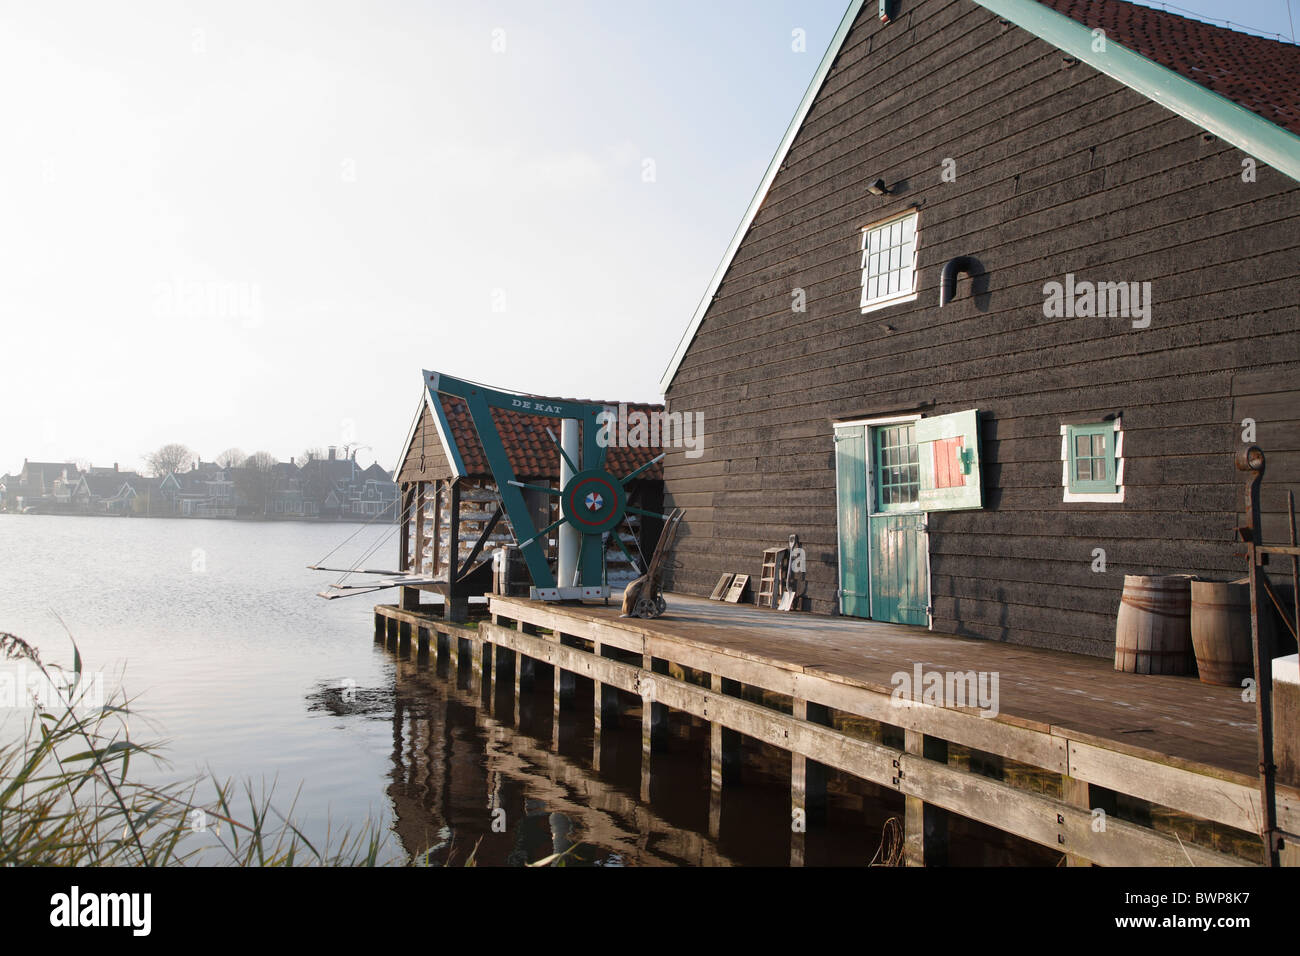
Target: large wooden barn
x=1019, y=281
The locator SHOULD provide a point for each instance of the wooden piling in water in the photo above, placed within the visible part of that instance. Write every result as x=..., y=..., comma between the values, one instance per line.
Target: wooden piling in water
x=925, y=827
x=597, y=710
x=646, y=689
x=798, y=793
x=583, y=641
x=1077, y=794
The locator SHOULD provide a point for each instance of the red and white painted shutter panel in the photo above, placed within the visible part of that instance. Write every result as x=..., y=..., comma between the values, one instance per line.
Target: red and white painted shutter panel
x=949, y=449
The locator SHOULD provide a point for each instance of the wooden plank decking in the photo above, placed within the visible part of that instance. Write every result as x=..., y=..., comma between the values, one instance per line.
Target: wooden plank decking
x=1174, y=719
x=1173, y=742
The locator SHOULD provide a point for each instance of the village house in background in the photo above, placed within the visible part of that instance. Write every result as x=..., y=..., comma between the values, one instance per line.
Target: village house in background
x=331, y=487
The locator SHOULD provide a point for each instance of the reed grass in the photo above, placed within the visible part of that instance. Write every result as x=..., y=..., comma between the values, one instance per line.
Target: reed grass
x=69, y=796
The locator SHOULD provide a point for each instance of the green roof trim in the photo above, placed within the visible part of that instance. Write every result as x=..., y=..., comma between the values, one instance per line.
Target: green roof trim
x=1254, y=135
x=823, y=69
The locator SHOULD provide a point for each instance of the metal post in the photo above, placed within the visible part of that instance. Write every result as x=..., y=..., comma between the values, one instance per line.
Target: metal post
x=1252, y=460
x=570, y=540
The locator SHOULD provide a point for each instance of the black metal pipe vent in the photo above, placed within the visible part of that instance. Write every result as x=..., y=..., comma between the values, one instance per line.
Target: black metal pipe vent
x=948, y=281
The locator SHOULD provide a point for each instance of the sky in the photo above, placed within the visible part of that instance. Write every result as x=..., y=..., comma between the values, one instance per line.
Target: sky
x=252, y=224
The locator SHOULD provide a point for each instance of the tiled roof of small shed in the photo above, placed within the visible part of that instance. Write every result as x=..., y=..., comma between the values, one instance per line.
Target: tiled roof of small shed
x=1260, y=74
x=533, y=455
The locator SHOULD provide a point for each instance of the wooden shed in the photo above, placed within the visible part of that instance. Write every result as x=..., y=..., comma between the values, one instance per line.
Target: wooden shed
x=452, y=520
x=1018, y=283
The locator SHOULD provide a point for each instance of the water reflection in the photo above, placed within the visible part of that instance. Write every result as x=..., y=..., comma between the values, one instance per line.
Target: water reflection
x=478, y=775
x=464, y=782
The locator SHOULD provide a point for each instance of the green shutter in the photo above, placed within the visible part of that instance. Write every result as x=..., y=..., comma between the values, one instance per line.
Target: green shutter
x=851, y=493
x=950, y=462
x=1090, y=458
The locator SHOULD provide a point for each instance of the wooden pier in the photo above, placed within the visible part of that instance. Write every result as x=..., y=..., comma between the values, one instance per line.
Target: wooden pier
x=1105, y=768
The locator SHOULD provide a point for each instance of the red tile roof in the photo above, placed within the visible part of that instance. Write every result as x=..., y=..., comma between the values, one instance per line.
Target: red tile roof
x=1260, y=74
x=533, y=455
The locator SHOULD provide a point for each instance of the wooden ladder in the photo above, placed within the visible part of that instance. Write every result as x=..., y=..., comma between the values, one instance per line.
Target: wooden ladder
x=773, y=559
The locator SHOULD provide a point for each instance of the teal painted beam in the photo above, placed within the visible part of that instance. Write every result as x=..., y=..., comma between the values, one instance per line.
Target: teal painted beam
x=481, y=400
x=480, y=412
x=444, y=428
x=1264, y=141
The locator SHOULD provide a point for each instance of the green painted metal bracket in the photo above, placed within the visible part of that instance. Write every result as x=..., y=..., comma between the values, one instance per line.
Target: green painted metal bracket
x=444, y=427
x=1249, y=132
x=480, y=400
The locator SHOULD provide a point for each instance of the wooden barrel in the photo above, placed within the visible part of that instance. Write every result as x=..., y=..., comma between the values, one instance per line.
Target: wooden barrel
x=1153, y=633
x=1221, y=632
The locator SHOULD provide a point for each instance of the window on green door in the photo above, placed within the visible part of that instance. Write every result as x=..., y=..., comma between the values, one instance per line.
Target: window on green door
x=898, y=468
x=1091, y=465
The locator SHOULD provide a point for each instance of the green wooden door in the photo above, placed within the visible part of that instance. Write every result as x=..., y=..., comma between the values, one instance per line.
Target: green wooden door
x=852, y=504
x=900, y=586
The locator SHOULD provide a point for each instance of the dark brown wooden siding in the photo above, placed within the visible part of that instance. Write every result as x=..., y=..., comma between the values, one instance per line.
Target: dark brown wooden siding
x=426, y=460
x=1059, y=169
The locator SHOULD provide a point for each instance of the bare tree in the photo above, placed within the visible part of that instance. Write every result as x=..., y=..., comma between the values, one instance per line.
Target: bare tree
x=169, y=459
x=255, y=479
x=308, y=454
x=231, y=458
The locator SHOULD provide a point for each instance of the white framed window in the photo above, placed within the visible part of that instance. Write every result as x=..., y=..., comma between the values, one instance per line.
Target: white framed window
x=1092, y=461
x=889, y=261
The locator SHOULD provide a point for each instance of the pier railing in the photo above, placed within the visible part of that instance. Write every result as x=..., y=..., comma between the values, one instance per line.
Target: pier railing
x=807, y=714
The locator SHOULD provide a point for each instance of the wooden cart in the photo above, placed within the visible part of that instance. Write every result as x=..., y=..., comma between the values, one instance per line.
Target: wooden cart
x=644, y=597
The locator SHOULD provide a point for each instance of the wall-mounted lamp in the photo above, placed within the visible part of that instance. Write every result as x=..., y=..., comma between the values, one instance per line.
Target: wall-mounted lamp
x=878, y=188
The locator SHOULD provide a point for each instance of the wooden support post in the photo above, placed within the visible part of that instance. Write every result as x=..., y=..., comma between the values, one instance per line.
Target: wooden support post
x=403, y=638
x=807, y=784
x=391, y=625
x=925, y=827
x=647, y=724
x=798, y=793
x=724, y=755
x=415, y=517
x=453, y=657
x=456, y=606
x=477, y=649
x=434, y=555
x=1076, y=793
x=597, y=705
x=490, y=664
x=404, y=533
x=519, y=673
x=715, y=766
x=379, y=628
x=422, y=643
x=557, y=675
x=412, y=526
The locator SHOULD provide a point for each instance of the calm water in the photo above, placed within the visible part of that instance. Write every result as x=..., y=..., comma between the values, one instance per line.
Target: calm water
x=215, y=628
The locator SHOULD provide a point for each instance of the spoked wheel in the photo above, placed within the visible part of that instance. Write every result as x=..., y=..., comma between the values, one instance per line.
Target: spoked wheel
x=648, y=607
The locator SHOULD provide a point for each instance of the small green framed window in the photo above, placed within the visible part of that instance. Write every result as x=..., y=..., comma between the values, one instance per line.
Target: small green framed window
x=897, y=468
x=1091, y=462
